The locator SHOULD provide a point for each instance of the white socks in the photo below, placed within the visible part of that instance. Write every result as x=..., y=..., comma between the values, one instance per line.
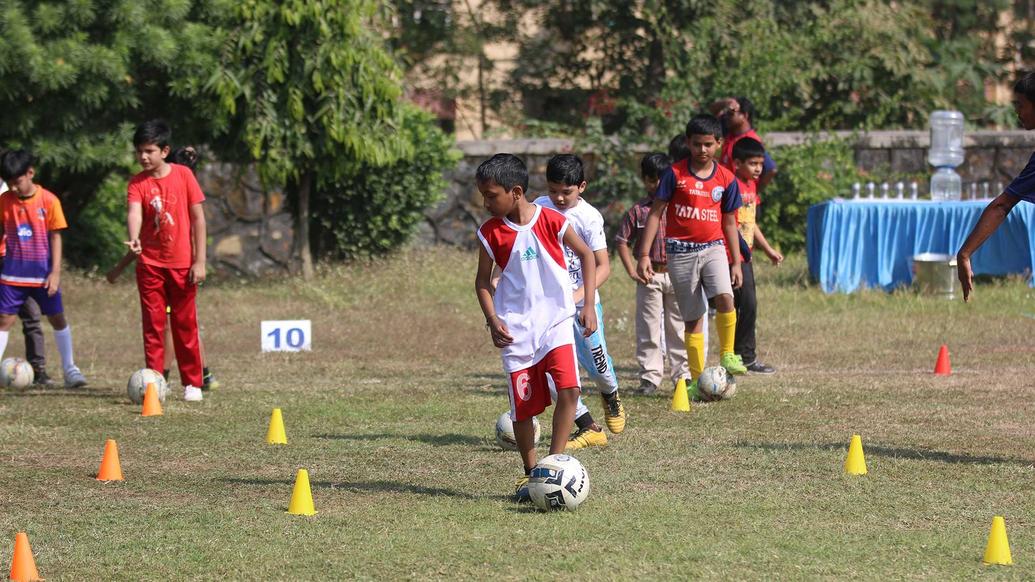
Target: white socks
x=63, y=339
x=3, y=342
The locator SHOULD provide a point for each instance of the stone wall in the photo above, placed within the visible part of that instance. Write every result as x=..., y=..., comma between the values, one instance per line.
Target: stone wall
x=251, y=230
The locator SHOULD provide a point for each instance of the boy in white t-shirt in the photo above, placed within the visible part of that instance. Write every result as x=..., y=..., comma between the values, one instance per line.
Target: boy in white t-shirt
x=529, y=313
x=566, y=181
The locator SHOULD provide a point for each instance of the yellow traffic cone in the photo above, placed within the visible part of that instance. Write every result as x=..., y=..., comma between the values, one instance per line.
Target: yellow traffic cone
x=680, y=397
x=276, y=435
x=998, y=549
x=302, y=496
x=855, y=463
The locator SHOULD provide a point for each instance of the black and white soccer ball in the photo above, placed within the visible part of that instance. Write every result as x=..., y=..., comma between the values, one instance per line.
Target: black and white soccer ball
x=558, y=482
x=16, y=373
x=138, y=382
x=505, y=432
x=716, y=384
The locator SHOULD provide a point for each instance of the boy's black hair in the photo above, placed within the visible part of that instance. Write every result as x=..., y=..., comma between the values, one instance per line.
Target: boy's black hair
x=153, y=132
x=1026, y=86
x=504, y=170
x=747, y=148
x=677, y=149
x=704, y=124
x=652, y=165
x=747, y=108
x=185, y=156
x=15, y=164
x=565, y=169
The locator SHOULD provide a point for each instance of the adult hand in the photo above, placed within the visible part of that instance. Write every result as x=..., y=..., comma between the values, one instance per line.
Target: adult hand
x=966, y=276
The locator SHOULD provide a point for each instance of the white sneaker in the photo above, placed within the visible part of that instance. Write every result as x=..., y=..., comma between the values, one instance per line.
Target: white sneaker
x=74, y=378
x=192, y=394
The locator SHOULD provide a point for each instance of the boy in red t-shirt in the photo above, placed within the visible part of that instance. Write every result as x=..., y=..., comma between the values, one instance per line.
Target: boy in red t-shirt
x=166, y=225
x=699, y=199
x=32, y=219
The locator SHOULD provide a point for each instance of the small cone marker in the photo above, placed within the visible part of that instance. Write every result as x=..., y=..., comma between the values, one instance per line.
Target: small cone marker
x=998, y=549
x=855, y=462
x=941, y=366
x=276, y=435
x=680, y=397
x=152, y=407
x=111, y=470
x=23, y=566
x=302, y=496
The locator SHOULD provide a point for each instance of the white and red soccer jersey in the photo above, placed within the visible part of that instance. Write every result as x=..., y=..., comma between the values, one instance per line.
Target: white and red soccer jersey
x=534, y=294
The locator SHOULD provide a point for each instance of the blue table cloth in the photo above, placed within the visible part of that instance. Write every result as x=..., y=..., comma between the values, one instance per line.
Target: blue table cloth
x=871, y=243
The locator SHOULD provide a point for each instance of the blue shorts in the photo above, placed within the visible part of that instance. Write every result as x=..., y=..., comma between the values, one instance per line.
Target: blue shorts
x=13, y=296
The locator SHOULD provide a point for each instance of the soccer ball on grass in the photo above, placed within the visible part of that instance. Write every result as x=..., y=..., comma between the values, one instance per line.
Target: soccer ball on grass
x=558, y=482
x=505, y=432
x=16, y=373
x=716, y=384
x=138, y=385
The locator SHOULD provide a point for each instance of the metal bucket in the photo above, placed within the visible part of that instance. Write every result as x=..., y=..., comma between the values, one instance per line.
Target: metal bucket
x=935, y=274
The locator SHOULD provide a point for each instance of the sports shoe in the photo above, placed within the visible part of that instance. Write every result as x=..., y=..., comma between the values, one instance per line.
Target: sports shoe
x=757, y=367
x=732, y=363
x=521, y=490
x=592, y=436
x=192, y=394
x=74, y=378
x=693, y=393
x=614, y=413
x=209, y=382
x=42, y=379
x=647, y=388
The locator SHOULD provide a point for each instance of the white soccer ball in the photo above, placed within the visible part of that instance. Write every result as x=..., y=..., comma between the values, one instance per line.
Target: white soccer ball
x=138, y=385
x=558, y=482
x=715, y=384
x=16, y=373
x=505, y=432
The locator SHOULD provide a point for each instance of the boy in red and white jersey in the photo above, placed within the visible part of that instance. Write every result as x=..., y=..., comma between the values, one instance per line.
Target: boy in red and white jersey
x=530, y=314
x=699, y=199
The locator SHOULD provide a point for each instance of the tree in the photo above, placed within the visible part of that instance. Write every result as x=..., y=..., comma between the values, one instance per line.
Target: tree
x=310, y=90
x=76, y=75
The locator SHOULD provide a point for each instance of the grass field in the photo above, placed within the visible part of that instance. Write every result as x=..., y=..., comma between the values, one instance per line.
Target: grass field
x=392, y=415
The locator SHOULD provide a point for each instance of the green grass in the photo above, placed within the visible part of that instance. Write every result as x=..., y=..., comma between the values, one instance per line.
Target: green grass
x=392, y=415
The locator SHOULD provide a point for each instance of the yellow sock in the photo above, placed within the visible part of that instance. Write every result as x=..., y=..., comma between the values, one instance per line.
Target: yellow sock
x=727, y=327
x=694, y=353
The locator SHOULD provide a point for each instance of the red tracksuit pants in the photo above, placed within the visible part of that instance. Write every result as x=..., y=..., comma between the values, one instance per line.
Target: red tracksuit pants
x=160, y=287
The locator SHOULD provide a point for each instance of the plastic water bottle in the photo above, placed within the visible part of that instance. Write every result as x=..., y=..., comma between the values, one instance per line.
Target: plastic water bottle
x=946, y=185
x=946, y=153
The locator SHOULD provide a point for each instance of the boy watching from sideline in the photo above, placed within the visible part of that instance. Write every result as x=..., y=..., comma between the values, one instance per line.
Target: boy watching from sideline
x=738, y=115
x=32, y=219
x=184, y=156
x=166, y=225
x=531, y=311
x=566, y=182
x=1021, y=188
x=748, y=160
x=656, y=305
x=699, y=199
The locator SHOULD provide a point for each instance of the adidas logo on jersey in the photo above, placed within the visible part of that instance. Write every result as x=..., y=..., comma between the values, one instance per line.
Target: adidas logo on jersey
x=529, y=254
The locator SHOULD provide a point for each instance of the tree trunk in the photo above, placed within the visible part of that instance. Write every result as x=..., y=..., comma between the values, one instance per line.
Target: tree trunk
x=303, y=253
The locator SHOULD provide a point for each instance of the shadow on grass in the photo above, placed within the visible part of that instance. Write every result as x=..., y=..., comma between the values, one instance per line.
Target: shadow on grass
x=893, y=452
x=364, y=487
x=437, y=440
x=62, y=392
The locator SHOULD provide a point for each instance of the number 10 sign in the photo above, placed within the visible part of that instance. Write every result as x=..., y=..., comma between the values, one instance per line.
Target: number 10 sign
x=287, y=336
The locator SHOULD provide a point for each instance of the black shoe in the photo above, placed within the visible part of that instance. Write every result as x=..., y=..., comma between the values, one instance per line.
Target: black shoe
x=757, y=367
x=647, y=388
x=41, y=379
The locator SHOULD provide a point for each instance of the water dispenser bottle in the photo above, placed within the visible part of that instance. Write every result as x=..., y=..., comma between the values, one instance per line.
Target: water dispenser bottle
x=945, y=154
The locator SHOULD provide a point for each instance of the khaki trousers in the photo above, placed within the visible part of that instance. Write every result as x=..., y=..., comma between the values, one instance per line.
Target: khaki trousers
x=657, y=310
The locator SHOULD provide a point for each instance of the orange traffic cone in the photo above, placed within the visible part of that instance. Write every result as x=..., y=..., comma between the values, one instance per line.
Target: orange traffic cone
x=942, y=367
x=152, y=407
x=111, y=470
x=23, y=566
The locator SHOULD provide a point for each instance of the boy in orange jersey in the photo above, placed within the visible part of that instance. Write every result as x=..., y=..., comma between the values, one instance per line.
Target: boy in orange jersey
x=700, y=199
x=166, y=225
x=32, y=218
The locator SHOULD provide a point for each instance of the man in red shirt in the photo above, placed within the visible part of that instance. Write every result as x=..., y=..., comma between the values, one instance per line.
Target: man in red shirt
x=166, y=225
x=738, y=114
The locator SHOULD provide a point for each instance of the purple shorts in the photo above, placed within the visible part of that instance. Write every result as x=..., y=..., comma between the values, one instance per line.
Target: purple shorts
x=13, y=296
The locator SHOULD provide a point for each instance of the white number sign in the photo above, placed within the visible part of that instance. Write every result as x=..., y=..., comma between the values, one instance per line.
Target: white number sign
x=287, y=336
